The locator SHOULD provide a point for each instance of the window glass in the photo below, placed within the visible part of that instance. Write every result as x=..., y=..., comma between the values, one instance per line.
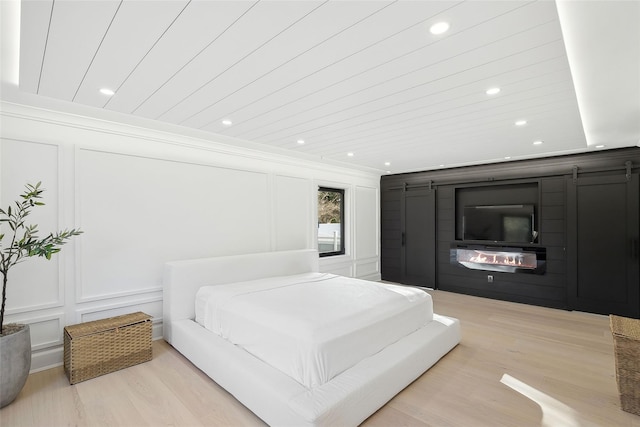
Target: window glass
x=330, y=221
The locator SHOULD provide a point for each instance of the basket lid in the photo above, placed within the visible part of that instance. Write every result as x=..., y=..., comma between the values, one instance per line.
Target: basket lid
x=97, y=326
x=625, y=326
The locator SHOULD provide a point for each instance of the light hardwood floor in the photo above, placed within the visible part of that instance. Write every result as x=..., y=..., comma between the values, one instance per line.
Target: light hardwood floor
x=517, y=365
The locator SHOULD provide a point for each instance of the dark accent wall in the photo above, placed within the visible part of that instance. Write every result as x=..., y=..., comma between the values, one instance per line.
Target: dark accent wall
x=541, y=182
x=547, y=194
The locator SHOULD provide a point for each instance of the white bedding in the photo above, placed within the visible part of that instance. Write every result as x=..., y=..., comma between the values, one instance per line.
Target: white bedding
x=338, y=320
x=347, y=400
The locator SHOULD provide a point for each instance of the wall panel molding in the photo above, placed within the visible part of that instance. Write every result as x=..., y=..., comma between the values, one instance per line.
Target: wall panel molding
x=368, y=269
x=144, y=195
x=206, y=210
x=293, y=199
x=119, y=295
x=47, y=359
x=171, y=136
x=43, y=280
x=46, y=330
x=105, y=311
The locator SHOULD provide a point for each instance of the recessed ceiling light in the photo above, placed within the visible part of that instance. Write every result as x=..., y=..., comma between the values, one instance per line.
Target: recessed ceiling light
x=301, y=141
x=600, y=146
x=493, y=91
x=441, y=166
x=507, y=157
x=387, y=163
x=521, y=122
x=537, y=142
x=227, y=122
x=106, y=91
x=439, y=28
x=350, y=154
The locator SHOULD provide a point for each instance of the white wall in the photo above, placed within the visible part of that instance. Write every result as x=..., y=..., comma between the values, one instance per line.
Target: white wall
x=144, y=197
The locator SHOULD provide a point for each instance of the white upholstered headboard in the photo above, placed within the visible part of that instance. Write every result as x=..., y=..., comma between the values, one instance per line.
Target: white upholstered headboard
x=182, y=279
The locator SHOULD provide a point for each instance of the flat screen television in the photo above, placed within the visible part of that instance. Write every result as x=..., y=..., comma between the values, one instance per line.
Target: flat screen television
x=499, y=223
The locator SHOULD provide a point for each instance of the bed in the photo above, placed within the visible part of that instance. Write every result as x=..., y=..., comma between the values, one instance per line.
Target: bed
x=336, y=391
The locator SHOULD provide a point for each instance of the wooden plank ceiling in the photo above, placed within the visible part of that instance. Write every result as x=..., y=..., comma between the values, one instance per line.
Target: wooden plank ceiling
x=360, y=77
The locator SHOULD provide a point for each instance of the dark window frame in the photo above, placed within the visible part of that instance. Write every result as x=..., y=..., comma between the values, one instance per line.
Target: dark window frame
x=342, y=249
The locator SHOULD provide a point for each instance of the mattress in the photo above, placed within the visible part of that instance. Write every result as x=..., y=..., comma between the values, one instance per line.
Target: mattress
x=312, y=326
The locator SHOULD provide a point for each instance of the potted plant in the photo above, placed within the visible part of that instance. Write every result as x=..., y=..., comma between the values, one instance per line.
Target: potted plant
x=22, y=242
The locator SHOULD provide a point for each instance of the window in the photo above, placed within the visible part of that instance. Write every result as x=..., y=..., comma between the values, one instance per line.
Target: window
x=330, y=221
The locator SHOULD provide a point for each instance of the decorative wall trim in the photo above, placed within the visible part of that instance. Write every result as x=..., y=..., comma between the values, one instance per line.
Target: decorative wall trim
x=100, y=312
x=58, y=340
x=368, y=268
x=47, y=359
x=211, y=163
x=81, y=293
x=55, y=319
x=35, y=307
x=175, y=135
x=58, y=259
x=116, y=295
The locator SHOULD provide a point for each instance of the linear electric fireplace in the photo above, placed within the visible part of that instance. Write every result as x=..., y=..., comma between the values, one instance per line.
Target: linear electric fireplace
x=499, y=258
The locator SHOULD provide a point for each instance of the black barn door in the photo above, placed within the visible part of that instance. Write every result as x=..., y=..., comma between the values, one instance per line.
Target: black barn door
x=409, y=235
x=418, y=248
x=603, y=222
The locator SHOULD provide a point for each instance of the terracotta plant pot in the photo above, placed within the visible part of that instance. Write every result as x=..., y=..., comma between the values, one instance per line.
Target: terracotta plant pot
x=15, y=363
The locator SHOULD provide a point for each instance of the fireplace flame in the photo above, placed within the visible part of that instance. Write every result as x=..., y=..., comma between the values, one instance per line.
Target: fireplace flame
x=509, y=259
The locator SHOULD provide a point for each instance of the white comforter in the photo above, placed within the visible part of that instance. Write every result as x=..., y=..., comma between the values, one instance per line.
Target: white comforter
x=312, y=326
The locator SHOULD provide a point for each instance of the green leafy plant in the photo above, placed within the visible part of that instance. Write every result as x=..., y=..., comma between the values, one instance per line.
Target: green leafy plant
x=24, y=241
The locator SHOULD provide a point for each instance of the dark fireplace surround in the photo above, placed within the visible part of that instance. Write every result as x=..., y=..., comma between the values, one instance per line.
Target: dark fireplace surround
x=499, y=258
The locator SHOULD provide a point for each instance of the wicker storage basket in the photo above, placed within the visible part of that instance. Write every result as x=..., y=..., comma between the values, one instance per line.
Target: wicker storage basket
x=626, y=345
x=96, y=348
